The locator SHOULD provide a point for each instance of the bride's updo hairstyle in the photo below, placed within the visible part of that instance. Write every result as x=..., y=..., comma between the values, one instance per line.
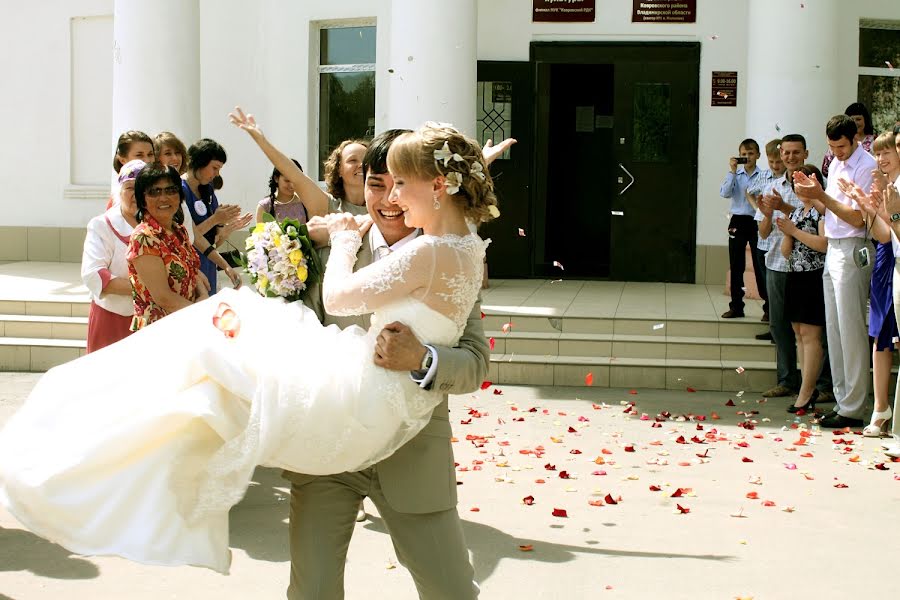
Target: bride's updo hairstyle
x=438, y=149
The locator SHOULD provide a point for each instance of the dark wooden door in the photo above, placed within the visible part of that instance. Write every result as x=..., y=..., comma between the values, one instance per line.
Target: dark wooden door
x=615, y=180
x=653, y=214
x=505, y=108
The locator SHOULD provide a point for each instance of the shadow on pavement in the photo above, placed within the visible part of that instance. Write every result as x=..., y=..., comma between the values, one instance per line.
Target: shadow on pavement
x=24, y=551
x=259, y=521
x=490, y=545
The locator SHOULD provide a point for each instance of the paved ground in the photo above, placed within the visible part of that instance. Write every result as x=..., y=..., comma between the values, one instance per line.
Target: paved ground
x=806, y=536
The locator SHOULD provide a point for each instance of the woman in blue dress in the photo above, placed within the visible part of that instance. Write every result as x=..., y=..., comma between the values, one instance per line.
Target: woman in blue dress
x=882, y=323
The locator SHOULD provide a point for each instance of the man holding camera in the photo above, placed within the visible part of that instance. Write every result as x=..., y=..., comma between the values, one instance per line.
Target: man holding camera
x=848, y=267
x=742, y=230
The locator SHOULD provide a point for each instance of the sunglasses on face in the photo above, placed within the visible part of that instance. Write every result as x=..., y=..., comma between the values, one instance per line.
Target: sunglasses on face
x=159, y=191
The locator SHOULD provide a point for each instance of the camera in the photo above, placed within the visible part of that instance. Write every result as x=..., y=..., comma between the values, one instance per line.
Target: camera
x=861, y=257
x=741, y=160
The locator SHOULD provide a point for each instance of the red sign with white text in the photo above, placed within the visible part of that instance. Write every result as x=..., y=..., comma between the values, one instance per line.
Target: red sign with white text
x=664, y=11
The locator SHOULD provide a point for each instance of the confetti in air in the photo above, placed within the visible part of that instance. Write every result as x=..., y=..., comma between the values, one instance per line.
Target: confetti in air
x=556, y=263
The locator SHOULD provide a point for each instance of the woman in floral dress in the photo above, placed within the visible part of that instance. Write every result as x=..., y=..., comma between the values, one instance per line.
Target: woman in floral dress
x=804, y=246
x=162, y=264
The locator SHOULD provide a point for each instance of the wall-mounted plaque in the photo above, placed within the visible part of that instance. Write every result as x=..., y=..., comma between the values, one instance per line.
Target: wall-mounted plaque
x=724, y=88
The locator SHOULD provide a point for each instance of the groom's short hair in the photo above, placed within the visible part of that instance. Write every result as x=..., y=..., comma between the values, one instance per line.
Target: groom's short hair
x=375, y=159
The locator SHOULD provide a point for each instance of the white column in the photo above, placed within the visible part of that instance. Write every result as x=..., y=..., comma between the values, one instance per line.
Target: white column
x=793, y=70
x=156, y=68
x=433, y=57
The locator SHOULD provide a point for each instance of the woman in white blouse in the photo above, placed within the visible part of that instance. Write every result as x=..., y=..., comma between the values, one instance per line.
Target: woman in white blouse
x=104, y=269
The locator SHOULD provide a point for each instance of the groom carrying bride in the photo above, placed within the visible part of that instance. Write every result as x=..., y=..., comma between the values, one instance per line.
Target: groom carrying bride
x=414, y=490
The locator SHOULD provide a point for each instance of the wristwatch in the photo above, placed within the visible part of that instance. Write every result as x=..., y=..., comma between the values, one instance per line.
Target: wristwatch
x=426, y=360
x=895, y=217
x=209, y=250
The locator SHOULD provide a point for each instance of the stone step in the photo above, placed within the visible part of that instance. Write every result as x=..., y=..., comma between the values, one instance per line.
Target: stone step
x=631, y=346
x=56, y=308
x=37, y=354
x=529, y=320
x=607, y=371
x=43, y=326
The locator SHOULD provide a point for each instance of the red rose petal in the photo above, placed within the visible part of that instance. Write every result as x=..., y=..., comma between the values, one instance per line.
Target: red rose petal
x=528, y=500
x=730, y=402
x=486, y=384
x=589, y=379
x=564, y=475
x=629, y=448
x=498, y=392
x=655, y=488
x=682, y=509
x=610, y=500
x=492, y=342
x=746, y=460
x=560, y=512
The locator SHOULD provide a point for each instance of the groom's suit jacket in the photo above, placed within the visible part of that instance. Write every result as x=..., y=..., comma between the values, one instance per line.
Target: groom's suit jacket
x=420, y=477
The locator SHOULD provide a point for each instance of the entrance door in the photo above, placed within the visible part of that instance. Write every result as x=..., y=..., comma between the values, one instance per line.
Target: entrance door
x=505, y=109
x=654, y=209
x=615, y=160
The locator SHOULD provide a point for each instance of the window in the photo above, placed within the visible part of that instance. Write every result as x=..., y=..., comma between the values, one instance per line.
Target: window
x=878, y=86
x=346, y=86
x=652, y=116
x=494, y=118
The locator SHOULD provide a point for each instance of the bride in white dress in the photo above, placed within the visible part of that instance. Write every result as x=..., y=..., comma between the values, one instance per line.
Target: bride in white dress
x=140, y=449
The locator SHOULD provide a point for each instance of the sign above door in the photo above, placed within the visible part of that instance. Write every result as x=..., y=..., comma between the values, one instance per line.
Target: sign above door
x=664, y=11
x=563, y=11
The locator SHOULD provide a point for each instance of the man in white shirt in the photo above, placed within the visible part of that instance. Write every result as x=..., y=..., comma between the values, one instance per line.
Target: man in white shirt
x=848, y=269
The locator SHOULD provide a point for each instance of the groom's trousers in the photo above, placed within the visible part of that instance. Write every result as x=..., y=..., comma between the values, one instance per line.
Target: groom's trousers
x=323, y=516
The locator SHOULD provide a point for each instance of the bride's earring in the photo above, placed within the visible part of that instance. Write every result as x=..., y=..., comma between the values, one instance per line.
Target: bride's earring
x=437, y=203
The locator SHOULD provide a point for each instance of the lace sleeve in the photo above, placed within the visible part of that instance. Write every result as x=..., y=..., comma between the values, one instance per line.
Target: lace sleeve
x=394, y=277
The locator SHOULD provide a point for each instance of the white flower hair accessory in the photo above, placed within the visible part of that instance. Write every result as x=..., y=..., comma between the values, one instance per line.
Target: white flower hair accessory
x=443, y=154
x=454, y=181
x=477, y=170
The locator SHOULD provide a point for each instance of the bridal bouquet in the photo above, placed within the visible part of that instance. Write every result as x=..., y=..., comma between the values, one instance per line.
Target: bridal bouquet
x=281, y=259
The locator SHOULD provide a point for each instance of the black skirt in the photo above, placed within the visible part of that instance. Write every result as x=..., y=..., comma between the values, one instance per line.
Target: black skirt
x=804, y=298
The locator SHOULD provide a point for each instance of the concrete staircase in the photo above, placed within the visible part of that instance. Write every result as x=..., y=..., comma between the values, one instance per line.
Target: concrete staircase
x=664, y=353
x=550, y=333
x=35, y=336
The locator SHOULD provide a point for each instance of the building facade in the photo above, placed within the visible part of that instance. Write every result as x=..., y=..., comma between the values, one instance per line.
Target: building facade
x=625, y=127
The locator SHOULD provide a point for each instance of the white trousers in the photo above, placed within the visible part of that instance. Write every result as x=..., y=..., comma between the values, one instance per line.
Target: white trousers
x=846, y=289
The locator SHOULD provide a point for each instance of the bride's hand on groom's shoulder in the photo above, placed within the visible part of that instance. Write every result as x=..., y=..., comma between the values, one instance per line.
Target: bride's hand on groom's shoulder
x=347, y=222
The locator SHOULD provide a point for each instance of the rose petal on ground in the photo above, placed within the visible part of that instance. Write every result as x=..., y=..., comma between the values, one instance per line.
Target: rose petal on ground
x=655, y=488
x=486, y=384
x=730, y=402
x=610, y=500
x=690, y=389
x=841, y=485
x=528, y=500
x=526, y=547
x=560, y=512
x=682, y=509
x=746, y=459
x=768, y=503
x=595, y=502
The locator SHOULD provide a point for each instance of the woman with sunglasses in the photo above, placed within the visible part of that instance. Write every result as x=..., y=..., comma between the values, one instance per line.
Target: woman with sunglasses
x=162, y=264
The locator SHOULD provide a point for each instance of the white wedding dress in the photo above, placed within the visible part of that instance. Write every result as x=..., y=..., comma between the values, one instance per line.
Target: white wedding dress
x=140, y=449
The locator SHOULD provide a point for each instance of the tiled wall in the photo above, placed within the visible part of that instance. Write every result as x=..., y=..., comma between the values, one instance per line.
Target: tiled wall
x=45, y=244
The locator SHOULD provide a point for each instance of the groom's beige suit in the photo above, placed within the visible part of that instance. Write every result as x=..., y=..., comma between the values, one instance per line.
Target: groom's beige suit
x=414, y=489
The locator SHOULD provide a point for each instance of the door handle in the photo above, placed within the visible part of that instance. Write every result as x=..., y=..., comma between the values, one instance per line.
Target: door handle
x=630, y=183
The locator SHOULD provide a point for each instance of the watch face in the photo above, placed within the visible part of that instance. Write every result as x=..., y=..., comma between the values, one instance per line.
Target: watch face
x=895, y=217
